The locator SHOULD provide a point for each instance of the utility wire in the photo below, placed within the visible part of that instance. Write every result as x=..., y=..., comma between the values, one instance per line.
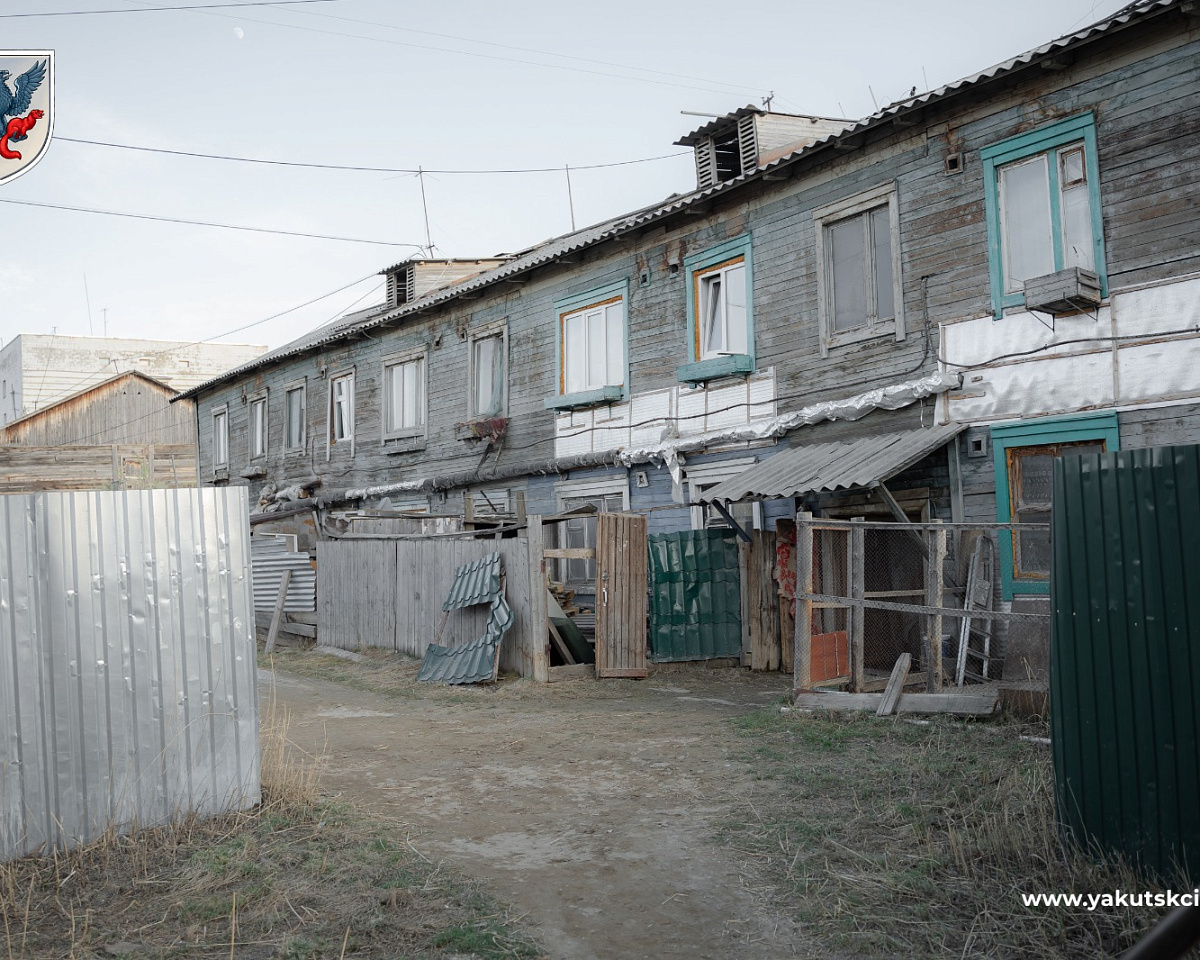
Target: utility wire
x=360, y=168
x=192, y=6
x=207, y=223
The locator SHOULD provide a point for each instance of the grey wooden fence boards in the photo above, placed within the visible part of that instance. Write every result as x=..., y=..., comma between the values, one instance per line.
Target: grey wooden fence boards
x=385, y=593
x=127, y=662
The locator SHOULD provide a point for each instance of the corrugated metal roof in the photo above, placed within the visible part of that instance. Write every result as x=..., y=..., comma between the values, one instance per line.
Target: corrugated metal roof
x=269, y=559
x=833, y=466
x=475, y=582
x=559, y=247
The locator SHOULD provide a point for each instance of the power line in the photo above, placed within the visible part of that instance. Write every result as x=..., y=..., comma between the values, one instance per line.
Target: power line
x=206, y=223
x=193, y=6
x=360, y=168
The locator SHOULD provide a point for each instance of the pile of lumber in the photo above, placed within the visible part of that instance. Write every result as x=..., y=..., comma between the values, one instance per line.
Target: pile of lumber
x=893, y=699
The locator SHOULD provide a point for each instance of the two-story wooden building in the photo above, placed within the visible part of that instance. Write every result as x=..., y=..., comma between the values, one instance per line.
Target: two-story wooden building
x=940, y=296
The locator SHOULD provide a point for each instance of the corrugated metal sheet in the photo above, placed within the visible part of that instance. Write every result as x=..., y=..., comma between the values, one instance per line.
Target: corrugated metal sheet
x=127, y=662
x=1125, y=654
x=477, y=660
x=475, y=582
x=560, y=247
x=271, y=558
x=695, y=596
x=833, y=466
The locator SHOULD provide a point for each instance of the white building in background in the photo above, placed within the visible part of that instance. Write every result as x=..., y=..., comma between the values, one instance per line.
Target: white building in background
x=39, y=369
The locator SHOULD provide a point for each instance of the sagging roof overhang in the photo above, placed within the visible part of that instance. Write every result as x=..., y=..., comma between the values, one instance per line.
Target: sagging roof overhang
x=563, y=247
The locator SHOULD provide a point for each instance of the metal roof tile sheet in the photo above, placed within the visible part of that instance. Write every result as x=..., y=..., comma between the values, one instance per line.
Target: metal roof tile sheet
x=475, y=582
x=833, y=466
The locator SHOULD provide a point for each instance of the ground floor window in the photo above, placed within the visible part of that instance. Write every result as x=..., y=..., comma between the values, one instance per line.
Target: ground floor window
x=1024, y=462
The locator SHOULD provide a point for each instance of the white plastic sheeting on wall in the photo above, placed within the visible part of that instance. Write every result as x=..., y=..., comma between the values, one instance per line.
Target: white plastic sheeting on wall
x=127, y=662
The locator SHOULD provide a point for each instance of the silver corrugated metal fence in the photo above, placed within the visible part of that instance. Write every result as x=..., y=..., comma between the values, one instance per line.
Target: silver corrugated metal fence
x=127, y=662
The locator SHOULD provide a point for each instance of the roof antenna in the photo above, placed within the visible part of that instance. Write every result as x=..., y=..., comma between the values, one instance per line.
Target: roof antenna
x=766, y=101
x=873, y=100
x=87, y=297
x=425, y=206
x=570, y=196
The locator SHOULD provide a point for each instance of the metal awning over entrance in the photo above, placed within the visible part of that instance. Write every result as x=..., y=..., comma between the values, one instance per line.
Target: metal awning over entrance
x=865, y=462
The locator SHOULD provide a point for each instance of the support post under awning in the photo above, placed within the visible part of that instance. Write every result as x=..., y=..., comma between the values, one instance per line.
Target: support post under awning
x=898, y=512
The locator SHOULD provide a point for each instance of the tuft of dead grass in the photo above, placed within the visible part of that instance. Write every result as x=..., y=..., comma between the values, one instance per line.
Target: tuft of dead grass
x=885, y=838
x=297, y=878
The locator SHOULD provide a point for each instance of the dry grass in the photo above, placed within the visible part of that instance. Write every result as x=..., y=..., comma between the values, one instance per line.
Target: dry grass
x=296, y=878
x=886, y=838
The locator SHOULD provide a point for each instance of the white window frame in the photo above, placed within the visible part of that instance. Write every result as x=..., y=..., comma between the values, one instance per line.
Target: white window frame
x=589, y=489
x=348, y=439
x=565, y=317
x=703, y=279
x=251, y=428
x=499, y=329
x=220, y=415
x=702, y=476
x=389, y=363
x=301, y=387
x=872, y=327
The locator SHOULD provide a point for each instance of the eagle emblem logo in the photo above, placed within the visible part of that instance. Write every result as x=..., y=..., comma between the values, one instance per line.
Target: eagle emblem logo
x=26, y=109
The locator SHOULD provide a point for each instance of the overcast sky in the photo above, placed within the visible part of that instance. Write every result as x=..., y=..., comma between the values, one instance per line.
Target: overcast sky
x=445, y=86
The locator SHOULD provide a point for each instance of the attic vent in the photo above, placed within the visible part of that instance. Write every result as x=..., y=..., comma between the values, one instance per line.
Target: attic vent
x=392, y=286
x=748, y=143
x=704, y=164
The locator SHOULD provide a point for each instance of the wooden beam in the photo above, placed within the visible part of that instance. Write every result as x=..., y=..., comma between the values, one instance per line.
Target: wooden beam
x=898, y=512
x=856, y=577
x=802, y=637
x=958, y=704
x=539, y=646
x=728, y=518
x=895, y=686
x=559, y=644
x=569, y=553
x=935, y=558
x=277, y=616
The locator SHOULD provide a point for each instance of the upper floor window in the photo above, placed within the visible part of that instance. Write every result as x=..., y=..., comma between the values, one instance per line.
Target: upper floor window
x=258, y=427
x=489, y=373
x=404, y=396
x=294, y=426
x=1043, y=207
x=720, y=311
x=591, y=339
x=341, y=408
x=858, y=284
x=220, y=441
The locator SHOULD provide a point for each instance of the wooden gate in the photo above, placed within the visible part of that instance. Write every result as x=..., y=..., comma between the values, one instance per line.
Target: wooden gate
x=621, y=595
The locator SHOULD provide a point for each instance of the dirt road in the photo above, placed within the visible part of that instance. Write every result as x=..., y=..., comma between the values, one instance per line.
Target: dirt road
x=590, y=806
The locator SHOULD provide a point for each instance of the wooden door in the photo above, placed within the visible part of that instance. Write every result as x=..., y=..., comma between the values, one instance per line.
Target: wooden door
x=621, y=595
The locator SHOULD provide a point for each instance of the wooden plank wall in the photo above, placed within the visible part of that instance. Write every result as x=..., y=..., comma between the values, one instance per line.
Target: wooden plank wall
x=765, y=647
x=128, y=410
x=389, y=593
x=100, y=467
x=621, y=569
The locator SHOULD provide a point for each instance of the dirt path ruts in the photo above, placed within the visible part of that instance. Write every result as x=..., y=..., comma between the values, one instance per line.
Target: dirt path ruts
x=593, y=814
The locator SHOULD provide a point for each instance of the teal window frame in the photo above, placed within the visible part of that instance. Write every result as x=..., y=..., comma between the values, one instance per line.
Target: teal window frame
x=1032, y=433
x=579, y=301
x=698, y=370
x=1046, y=139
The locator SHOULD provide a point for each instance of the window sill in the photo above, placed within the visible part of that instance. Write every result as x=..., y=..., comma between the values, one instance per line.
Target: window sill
x=586, y=398
x=404, y=444
x=875, y=331
x=715, y=367
x=220, y=473
x=254, y=471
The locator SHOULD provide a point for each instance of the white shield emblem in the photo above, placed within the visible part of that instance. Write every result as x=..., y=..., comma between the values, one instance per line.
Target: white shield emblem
x=26, y=109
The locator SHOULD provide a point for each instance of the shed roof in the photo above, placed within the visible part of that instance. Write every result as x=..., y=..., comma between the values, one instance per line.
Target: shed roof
x=814, y=468
x=560, y=247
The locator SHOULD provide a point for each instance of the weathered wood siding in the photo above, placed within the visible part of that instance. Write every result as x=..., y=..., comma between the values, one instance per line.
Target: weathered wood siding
x=389, y=593
x=130, y=409
x=1142, y=85
x=108, y=467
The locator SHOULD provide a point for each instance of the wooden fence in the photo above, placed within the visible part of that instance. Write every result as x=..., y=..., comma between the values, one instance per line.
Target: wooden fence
x=125, y=466
x=389, y=593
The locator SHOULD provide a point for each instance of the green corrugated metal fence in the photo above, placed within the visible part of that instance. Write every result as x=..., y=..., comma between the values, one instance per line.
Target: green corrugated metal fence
x=1125, y=654
x=695, y=596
